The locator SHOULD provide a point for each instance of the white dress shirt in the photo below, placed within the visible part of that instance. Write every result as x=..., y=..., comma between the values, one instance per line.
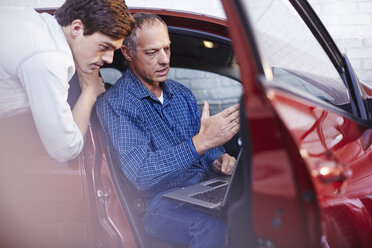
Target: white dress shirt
x=36, y=65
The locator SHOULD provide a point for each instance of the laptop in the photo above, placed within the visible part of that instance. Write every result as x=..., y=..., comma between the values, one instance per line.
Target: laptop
x=210, y=195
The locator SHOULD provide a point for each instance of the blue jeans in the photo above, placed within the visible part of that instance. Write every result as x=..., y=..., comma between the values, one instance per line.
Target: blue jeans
x=181, y=224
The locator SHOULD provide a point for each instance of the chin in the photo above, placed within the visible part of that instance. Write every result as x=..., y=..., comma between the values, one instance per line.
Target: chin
x=162, y=79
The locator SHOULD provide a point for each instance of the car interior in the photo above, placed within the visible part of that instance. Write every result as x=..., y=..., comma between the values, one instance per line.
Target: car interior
x=203, y=55
x=210, y=59
x=192, y=53
x=208, y=56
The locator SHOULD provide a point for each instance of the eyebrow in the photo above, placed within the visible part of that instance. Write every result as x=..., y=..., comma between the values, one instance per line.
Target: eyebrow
x=151, y=49
x=110, y=45
x=156, y=48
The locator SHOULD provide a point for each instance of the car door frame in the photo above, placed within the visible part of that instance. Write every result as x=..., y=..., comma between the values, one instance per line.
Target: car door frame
x=340, y=61
x=255, y=76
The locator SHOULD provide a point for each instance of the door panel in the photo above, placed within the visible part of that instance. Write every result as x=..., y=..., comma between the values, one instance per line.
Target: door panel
x=309, y=151
x=43, y=201
x=108, y=226
x=111, y=227
x=280, y=214
x=330, y=145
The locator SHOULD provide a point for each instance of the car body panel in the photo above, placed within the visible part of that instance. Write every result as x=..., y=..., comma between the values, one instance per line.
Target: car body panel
x=330, y=146
x=112, y=220
x=44, y=200
x=277, y=212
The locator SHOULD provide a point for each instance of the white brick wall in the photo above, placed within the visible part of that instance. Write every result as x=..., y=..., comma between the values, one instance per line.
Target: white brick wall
x=209, y=7
x=348, y=21
x=220, y=91
x=350, y=24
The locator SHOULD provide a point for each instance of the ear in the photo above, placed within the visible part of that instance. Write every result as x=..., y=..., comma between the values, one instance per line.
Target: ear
x=127, y=55
x=76, y=28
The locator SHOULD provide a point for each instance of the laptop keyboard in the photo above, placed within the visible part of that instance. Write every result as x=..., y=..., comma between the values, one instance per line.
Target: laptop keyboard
x=214, y=195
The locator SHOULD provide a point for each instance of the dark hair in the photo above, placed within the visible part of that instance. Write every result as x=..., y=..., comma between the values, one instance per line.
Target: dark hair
x=140, y=18
x=110, y=17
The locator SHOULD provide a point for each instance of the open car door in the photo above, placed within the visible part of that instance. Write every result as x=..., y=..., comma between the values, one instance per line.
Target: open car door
x=308, y=127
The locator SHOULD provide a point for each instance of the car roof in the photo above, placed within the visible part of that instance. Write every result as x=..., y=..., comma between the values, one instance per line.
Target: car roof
x=187, y=31
x=192, y=20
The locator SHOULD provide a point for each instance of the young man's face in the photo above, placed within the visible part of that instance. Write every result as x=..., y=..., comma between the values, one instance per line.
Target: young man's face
x=92, y=51
x=151, y=63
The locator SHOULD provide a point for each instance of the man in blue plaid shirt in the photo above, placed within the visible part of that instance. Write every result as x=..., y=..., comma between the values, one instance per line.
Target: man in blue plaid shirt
x=160, y=138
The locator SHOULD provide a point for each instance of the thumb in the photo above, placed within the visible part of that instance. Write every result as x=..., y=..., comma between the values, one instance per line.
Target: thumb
x=205, y=113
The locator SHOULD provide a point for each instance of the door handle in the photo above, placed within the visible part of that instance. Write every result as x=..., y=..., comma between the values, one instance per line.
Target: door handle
x=102, y=196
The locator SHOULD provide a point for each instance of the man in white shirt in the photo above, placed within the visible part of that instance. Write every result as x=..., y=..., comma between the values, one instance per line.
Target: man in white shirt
x=42, y=200
x=39, y=54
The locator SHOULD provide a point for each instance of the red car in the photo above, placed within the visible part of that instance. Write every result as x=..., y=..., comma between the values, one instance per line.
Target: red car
x=305, y=178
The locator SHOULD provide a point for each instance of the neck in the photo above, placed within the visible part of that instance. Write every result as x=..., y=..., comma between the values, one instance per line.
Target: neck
x=155, y=89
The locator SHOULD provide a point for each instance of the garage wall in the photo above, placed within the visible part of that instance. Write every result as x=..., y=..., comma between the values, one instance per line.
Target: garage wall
x=348, y=21
x=211, y=7
x=350, y=24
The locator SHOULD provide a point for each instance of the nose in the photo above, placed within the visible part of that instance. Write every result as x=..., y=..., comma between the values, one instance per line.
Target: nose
x=163, y=57
x=108, y=57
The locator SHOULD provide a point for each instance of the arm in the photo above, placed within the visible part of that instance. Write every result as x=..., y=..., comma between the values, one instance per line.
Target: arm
x=44, y=77
x=216, y=131
x=143, y=165
x=91, y=87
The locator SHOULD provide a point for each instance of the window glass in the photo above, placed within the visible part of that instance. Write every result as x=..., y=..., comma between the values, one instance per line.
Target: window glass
x=220, y=91
x=297, y=60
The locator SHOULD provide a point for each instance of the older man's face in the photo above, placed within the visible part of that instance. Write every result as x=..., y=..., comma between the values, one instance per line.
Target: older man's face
x=151, y=63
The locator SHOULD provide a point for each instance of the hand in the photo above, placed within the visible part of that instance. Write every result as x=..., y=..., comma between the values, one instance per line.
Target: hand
x=91, y=83
x=216, y=130
x=92, y=86
x=225, y=164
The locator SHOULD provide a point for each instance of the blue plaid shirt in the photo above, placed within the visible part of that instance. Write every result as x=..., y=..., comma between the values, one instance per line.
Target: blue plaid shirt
x=150, y=140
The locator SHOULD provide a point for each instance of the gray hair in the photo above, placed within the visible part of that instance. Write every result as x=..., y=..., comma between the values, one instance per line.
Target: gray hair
x=141, y=19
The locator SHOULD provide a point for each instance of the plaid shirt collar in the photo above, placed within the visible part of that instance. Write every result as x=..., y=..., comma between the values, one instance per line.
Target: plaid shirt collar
x=139, y=89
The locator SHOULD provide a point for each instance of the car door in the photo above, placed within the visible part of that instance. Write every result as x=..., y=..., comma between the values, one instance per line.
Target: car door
x=308, y=127
x=106, y=220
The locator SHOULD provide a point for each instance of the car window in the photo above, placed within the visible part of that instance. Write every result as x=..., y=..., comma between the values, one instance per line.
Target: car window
x=220, y=91
x=110, y=75
x=297, y=60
